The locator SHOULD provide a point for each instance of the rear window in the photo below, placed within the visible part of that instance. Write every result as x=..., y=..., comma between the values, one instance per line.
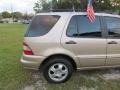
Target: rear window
x=41, y=25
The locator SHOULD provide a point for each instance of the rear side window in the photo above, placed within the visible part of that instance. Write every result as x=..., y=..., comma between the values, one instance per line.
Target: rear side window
x=113, y=25
x=41, y=25
x=81, y=26
x=72, y=27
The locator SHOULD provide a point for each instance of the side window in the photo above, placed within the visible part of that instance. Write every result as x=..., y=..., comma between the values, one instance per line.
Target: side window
x=113, y=25
x=80, y=26
x=72, y=27
x=88, y=29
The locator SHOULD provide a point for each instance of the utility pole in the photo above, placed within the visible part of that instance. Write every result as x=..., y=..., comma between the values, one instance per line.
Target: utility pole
x=51, y=5
x=11, y=6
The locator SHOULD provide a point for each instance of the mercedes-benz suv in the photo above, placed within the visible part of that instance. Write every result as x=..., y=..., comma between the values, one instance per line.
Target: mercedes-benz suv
x=59, y=43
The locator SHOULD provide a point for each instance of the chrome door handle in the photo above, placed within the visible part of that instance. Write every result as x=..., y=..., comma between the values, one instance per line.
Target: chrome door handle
x=112, y=42
x=71, y=42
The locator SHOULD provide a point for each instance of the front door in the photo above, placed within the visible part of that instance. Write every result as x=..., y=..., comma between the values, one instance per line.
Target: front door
x=86, y=41
x=113, y=41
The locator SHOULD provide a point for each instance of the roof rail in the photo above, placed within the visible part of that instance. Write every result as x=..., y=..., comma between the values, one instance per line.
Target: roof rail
x=62, y=10
x=78, y=10
x=109, y=12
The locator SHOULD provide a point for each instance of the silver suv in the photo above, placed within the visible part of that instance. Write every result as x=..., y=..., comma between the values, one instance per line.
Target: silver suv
x=59, y=43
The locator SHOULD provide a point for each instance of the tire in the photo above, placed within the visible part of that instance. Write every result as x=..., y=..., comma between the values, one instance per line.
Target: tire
x=57, y=70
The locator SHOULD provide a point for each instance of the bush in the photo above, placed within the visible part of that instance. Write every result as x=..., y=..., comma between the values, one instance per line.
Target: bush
x=1, y=21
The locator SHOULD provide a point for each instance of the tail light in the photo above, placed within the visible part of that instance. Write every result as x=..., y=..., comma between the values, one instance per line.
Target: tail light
x=27, y=49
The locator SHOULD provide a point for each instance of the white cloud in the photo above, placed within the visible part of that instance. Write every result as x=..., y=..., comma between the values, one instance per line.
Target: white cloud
x=17, y=5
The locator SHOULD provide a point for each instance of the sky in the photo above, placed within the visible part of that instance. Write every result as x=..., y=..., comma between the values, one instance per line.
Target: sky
x=24, y=6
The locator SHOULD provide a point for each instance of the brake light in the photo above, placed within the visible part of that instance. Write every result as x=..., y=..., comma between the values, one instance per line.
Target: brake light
x=27, y=50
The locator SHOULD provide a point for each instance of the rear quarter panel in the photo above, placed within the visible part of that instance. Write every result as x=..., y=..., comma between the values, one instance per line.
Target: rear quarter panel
x=49, y=44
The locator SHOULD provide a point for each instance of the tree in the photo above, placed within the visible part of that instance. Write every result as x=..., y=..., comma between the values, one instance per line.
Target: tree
x=1, y=17
x=116, y=5
x=6, y=14
x=99, y=5
x=16, y=15
x=27, y=16
x=41, y=5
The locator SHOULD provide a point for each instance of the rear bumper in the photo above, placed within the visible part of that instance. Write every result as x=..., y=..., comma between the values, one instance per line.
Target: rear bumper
x=32, y=62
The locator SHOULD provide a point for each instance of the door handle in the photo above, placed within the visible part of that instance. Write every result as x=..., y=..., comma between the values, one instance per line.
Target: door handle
x=71, y=42
x=112, y=42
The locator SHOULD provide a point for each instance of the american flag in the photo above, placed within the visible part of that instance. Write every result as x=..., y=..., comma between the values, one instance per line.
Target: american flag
x=90, y=11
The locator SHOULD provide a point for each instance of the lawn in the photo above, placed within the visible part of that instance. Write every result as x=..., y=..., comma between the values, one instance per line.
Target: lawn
x=14, y=77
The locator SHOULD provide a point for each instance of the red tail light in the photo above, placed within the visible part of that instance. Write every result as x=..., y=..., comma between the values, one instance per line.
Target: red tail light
x=27, y=49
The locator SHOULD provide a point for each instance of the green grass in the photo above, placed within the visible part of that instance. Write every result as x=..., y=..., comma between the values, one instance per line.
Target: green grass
x=14, y=77
x=88, y=80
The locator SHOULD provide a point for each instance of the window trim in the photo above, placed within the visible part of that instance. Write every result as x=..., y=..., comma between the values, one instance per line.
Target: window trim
x=68, y=25
x=101, y=28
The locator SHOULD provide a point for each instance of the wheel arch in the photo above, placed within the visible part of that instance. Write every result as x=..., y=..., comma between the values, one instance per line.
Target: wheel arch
x=70, y=59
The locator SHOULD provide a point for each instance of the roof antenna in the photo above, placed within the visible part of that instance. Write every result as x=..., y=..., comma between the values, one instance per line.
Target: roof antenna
x=73, y=6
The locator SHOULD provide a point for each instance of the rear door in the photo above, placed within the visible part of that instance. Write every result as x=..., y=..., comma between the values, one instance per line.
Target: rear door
x=113, y=41
x=86, y=40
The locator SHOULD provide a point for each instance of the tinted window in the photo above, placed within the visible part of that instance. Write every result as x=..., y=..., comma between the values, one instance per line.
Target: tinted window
x=81, y=26
x=87, y=28
x=113, y=25
x=72, y=27
x=41, y=25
